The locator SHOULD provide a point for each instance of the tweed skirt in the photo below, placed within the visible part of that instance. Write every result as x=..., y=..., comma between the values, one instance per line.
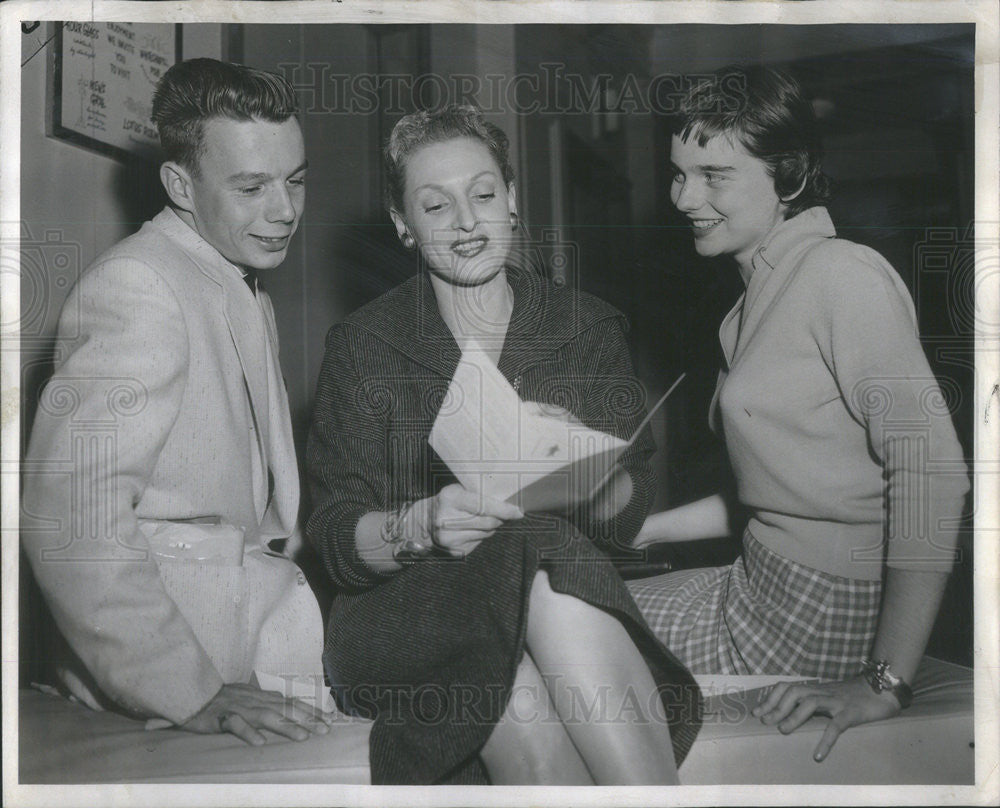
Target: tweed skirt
x=431, y=653
x=763, y=615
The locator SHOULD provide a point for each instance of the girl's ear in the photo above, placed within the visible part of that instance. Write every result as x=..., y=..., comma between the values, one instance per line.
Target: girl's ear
x=787, y=171
x=791, y=197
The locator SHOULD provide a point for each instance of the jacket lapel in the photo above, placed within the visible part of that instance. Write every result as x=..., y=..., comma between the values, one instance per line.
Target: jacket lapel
x=417, y=330
x=414, y=328
x=242, y=315
x=527, y=343
x=247, y=330
x=280, y=444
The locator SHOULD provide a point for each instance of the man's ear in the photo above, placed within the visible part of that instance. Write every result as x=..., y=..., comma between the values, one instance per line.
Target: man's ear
x=400, y=222
x=177, y=183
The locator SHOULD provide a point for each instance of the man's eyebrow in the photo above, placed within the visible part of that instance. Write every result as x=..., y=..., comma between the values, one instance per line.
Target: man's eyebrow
x=247, y=176
x=260, y=176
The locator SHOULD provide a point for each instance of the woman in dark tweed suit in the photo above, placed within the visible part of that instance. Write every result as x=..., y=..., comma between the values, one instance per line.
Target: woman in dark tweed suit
x=487, y=644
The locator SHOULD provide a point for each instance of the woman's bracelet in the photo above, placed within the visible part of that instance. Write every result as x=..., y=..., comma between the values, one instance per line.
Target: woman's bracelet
x=405, y=549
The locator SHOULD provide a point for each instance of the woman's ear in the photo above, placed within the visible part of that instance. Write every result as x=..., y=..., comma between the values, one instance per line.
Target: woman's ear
x=511, y=198
x=177, y=183
x=400, y=222
x=402, y=230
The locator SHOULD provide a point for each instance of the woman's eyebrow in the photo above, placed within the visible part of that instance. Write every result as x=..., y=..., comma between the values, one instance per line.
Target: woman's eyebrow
x=436, y=187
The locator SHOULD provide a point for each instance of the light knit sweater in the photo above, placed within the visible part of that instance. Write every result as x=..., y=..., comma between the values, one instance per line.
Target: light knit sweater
x=840, y=439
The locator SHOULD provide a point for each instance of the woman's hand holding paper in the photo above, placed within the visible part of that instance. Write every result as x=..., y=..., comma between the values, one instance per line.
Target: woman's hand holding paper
x=459, y=518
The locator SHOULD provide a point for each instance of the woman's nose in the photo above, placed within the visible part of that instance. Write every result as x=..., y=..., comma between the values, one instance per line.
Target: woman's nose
x=465, y=216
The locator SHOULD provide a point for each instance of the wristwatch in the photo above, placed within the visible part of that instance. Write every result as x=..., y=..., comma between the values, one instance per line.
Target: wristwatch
x=880, y=678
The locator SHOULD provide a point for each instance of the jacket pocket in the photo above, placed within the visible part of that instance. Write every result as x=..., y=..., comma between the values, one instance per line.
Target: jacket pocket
x=214, y=599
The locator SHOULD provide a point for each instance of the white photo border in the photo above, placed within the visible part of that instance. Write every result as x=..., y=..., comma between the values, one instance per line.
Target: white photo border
x=984, y=13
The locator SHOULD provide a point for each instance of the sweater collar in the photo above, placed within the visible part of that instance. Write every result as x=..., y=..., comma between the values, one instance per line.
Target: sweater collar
x=811, y=223
x=797, y=233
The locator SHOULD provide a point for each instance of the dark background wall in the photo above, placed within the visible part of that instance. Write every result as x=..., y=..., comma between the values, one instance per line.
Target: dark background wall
x=586, y=109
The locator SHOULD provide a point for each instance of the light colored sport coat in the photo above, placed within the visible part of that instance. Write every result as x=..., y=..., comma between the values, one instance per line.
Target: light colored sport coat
x=167, y=406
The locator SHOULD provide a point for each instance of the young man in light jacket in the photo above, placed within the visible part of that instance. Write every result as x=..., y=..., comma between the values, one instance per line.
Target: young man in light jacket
x=161, y=461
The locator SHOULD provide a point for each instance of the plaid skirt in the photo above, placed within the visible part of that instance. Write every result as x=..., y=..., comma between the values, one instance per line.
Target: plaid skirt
x=762, y=615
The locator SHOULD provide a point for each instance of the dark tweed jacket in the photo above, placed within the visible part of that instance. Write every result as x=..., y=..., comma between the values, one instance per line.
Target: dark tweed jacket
x=383, y=380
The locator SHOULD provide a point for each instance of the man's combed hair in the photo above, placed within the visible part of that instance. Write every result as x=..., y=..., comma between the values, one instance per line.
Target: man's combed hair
x=767, y=112
x=423, y=127
x=197, y=90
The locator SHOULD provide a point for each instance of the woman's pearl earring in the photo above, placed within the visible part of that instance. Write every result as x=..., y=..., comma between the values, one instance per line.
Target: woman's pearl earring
x=408, y=241
x=513, y=221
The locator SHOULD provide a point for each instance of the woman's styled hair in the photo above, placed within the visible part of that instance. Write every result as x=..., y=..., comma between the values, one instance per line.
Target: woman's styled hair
x=767, y=112
x=193, y=92
x=423, y=127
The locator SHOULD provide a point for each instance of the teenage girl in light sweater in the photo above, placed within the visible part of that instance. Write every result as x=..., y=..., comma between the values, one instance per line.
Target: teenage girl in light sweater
x=840, y=440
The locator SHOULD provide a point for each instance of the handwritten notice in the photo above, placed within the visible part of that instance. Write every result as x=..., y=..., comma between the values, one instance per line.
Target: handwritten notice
x=106, y=75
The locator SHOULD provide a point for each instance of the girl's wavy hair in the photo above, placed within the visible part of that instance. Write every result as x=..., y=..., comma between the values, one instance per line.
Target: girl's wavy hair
x=197, y=90
x=423, y=127
x=767, y=112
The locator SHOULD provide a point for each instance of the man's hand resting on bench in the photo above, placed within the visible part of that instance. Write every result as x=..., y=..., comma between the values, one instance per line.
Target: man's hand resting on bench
x=244, y=710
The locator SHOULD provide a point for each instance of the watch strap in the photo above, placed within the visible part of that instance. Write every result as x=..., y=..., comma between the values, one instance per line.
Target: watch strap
x=880, y=678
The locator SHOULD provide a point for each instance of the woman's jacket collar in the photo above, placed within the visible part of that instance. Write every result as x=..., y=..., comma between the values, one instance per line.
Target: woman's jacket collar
x=544, y=318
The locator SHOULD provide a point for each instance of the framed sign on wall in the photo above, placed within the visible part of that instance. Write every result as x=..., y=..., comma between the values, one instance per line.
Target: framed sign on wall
x=103, y=75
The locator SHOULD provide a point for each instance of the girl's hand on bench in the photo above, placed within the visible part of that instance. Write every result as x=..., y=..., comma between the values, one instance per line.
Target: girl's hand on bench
x=848, y=703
